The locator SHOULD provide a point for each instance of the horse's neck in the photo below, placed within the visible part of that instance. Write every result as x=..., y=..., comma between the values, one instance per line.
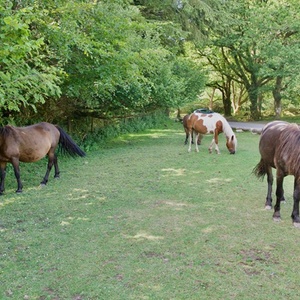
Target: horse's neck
x=227, y=129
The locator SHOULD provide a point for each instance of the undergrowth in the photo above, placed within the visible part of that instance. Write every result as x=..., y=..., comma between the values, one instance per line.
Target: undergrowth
x=101, y=135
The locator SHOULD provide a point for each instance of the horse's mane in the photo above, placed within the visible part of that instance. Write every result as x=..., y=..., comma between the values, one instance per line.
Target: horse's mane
x=6, y=131
x=288, y=148
x=228, y=130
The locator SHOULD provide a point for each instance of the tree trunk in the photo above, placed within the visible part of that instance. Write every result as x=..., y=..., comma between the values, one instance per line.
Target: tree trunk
x=253, y=96
x=226, y=95
x=211, y=100
x=277, y=96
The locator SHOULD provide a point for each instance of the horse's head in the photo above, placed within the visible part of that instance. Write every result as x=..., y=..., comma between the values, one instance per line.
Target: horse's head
x=231, y=144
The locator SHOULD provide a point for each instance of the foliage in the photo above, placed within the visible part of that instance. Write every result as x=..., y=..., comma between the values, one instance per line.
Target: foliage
x=69, y=60
x=116, y=62
x=258, y=42
x=102, y=135
x=26, y=75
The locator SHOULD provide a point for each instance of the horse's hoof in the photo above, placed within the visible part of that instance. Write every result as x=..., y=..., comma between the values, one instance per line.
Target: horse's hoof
x=268, y=207
x=297, y=224
x=276, y=219
x=18, y=191
x=42, y=185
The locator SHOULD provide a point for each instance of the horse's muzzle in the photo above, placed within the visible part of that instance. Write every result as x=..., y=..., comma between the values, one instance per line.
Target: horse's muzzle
x=232, y=152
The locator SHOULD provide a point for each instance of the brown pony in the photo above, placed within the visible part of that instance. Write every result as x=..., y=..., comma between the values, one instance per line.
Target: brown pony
x=213, y=123
x=30, y=144
x=279, y=148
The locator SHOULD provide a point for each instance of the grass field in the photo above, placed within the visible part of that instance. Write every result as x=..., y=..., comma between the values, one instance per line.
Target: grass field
x=141, y=218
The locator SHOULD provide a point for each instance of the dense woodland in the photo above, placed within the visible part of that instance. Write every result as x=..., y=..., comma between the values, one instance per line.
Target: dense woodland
x=73, y=61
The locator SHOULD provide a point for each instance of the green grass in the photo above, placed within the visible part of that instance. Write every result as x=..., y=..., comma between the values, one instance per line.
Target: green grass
x=142, y=218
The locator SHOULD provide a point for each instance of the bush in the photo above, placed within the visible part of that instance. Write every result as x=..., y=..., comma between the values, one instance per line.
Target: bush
x=101, y=135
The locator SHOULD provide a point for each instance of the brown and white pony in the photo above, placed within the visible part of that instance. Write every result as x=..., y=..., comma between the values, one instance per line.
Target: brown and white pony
x=279, y=149
x=212, y=123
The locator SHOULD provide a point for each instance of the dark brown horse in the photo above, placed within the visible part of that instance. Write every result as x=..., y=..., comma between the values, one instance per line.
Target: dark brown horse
x=279, y=149
x=30, y=144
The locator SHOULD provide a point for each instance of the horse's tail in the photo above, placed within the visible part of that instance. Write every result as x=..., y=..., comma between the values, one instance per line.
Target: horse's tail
x=67, y=145
x=260, y=170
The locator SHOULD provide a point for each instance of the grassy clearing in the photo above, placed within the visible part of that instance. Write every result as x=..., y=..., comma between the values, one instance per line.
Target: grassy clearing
x=144, y=219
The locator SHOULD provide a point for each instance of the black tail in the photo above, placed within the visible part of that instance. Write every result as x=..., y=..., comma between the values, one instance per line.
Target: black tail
x=260, y=169
x=67, y=145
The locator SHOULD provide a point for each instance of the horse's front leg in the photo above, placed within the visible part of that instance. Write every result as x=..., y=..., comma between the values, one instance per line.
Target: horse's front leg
x=296, y=196
x=190, y=141
x=16, y=164
x=2, y=176
x=279, y=195
x=196, y=138
x=216, y=138
x=211, y=145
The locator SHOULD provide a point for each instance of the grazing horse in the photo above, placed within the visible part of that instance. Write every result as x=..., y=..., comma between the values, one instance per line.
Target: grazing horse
x=279, y=149
x=30, y=144
x=213, y=123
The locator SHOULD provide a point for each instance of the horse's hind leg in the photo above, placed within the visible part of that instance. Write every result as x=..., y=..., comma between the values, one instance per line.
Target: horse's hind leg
x=2, y=177
x=279, y=195
x=51, y=161
x=16, y=165
x=56, y=174
x=296, y=196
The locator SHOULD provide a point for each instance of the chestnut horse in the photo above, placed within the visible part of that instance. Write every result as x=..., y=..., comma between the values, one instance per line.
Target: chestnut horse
x=213, y=123
x=30, y=144
x=279, y=149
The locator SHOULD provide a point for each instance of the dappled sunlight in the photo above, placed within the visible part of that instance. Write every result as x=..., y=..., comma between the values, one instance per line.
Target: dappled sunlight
x=171, y=203
x=219, y=180
x=151, y=133
x=213, y=228
x=85, y=195
x=174, y=172
x=5, y=202
x=71, y=220
x=144, y=236
x=163, y=130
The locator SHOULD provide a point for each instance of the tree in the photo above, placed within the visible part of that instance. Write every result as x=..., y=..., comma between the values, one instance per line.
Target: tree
x=253, y=41
x=27, y=77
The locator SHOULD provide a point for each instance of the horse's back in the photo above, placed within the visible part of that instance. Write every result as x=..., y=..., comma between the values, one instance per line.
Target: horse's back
x=206, y=123
x=270, y=140
x=33, y=142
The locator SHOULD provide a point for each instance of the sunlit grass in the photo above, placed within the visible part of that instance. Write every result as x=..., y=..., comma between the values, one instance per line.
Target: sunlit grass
x=145, y=219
